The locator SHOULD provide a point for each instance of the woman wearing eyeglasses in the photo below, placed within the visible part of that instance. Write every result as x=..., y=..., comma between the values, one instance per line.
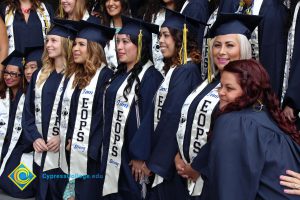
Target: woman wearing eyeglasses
x=12, y=143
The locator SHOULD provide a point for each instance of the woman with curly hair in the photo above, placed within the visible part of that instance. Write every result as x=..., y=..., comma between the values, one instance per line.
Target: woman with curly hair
x=155, y=146
x=81, y=118
x=252, y=142
x=27, y=22
x=127, y=100
x=111, y=11
x=155, y=12
x=40, y=120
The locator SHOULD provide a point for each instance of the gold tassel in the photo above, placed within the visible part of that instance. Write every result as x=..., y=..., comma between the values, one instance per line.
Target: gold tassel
x=184, y=44
x=140, y=46
x=23, y=61
x=69, y=51
x=209, y=70
x=61, y=11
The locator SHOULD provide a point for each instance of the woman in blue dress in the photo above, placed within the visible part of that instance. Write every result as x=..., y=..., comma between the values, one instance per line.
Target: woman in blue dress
x=81, y=112
x=40, y=120
x=13, y=144
x=127, y=99
x=27, y=22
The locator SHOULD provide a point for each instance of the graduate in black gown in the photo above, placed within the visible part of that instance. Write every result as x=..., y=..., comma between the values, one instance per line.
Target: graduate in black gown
x=128, y=99
x=229, y=41
x=27, y=22
x=40, y=121
x=155, y=143
x=291, y=96
x=13, y=145
x=33, y=56
x=271, y=37
x=251, y=143
x=81, y=112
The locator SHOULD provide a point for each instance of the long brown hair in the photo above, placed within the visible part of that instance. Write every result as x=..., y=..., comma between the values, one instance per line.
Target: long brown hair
x=106, y=18
x=192, y=48
x=255, y=83
x=85, y=72
x=79, y=10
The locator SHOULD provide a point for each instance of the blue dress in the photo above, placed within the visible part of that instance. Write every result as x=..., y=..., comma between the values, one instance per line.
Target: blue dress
x=90, y=188
x=21, y=147
x=245, y=157
x=128, y=187
x=30, y=33
x=53, y=188
x=158, y=148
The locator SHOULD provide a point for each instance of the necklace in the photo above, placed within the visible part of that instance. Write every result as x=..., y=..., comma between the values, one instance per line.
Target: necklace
x=25, y=10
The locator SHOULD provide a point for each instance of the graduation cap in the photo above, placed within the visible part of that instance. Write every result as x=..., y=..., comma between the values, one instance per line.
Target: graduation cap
x=138, y=28
x=16, y=58
x=95, y=32
x=185, y=24
x=33, y=53
x=177, y=20
x=233, y=23
x=64, y=28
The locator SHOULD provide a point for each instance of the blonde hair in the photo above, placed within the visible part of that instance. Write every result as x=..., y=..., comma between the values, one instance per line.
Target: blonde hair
x=245, y=50
x=79, y=10
x=85, y=72
x=48, y=63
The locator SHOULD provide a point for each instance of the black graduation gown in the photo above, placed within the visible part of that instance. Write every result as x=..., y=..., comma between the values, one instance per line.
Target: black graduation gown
x=272, y=37
x=128, y=187
x=90, y=188
x=53, y=187
x=14, y=160
x=292, y=96
x=158, y=148
x=245, y=157
x=198, y=9
x=30, y=33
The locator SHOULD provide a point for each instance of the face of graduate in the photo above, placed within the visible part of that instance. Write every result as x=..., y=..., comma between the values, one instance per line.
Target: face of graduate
x=79, y=50
x=53, y=46
x=127, y=51
x=30, y=67
x=166, y=43
x=113, y=7
x=229, y=90
x=12, y=76
x=68, y=5
x=225, y=48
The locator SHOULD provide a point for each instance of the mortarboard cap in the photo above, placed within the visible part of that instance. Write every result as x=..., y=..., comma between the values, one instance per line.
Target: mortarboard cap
x=132, y=26
x=177, y=20
x=33, y=53
x=16, y=58
x=64, y=28
x=233, y=23
x=95, y=32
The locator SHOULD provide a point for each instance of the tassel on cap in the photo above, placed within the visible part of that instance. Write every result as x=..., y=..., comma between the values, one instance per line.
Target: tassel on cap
x=140, y=46
x=183, y=50
x=209, y=70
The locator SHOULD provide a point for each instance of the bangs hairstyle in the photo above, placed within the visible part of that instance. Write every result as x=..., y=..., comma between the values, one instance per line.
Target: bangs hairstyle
x=85, y=72
x=15, y=5
x=146, y=55
x=255, y=83
x=106, y=18
x=245, y=50
x=193, y=50
x=48, y=63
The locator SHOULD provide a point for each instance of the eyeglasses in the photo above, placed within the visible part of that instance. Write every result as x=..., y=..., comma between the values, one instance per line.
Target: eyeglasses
x=11, y=74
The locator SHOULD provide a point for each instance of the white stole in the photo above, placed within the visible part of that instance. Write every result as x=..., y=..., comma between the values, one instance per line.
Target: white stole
x=120, y=115
x=200, y=127
x=9, y=19
x=52, y=159
x=160, y=98
x=110, y=52
x=4, y=117
x=80, y=139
